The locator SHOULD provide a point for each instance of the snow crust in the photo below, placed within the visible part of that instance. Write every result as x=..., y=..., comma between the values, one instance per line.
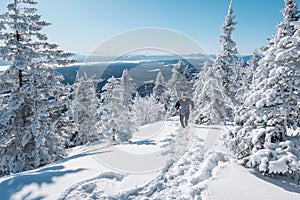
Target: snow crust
x=203, y=169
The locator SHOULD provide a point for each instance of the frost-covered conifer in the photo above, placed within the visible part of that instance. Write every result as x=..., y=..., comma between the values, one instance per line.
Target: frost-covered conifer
x=37, y=99
x=224, y=63
x=253, y=64
x=243, y=74
x=210, y=101
x=128, y=88
x=160, y=86
x=160, y=91
x=246, y=79
x=116, y=121
x=84, y=110
x=272, y=107
x=178, y=84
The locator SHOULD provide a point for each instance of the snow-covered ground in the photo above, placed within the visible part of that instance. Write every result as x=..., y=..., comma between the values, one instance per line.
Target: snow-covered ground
x=163, y=161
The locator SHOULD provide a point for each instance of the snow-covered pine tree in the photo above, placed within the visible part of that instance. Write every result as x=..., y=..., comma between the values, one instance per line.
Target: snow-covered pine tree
x=160, y=88
x=246, y=78
x=187, y=73
x=190, y=79
x=199, y=100
x=37, y=99
x=66, y=127
x=116, y=121
x=242, y=81
x=160, y=91
x=147, y=109
x=253, y=64
x=224, y=63
x=3, y=100
x=178, y=84
x=128, y=88
x=260, y=136
x=210, y=101
x=84, y=111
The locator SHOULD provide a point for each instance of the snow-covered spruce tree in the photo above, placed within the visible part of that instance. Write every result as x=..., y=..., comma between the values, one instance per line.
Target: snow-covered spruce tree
x=37, y=99
x=224, y=63
x=147, y=109
x=3, y=100
x=178, y=84
x=253, y=65
x=128, y=88
x=66, y=127
x=209, y=98
x=246, y=79
x=242, y=81
x=160, y=91
x=260, y=136
x=199, y=100
x=190, y=78
x=160, y=88
x=187, y=73
x=116, y=121
x=84, y=111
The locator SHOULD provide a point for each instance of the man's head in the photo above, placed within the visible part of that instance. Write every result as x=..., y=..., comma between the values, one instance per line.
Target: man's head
x=184, y=96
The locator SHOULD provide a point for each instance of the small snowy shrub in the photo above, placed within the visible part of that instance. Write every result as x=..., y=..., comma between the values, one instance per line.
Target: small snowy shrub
x=147, y=110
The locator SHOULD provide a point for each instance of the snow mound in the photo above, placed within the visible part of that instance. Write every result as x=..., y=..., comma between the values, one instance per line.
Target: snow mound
x=95, y=188
x=111, y=176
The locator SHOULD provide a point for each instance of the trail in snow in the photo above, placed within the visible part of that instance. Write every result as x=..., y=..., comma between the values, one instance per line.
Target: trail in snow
x=144, y=153
x=184, y=178
x=185, y=174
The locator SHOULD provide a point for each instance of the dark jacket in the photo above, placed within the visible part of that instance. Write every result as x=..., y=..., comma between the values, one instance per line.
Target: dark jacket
x=185, y=106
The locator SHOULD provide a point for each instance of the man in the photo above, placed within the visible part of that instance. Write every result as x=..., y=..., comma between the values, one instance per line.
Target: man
x=184, y=105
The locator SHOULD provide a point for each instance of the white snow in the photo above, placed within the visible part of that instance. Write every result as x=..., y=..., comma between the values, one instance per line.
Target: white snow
x=236, y=182
x=4, y=67
x=162, y=161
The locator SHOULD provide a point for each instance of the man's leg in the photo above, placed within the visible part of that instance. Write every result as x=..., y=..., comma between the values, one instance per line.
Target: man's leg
x=186, y=116
x=181, y=121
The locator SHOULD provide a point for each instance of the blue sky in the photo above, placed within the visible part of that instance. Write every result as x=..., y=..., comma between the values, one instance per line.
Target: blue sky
x=81, y=25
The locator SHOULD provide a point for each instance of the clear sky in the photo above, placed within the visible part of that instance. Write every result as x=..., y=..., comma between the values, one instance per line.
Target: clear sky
x=81, y=25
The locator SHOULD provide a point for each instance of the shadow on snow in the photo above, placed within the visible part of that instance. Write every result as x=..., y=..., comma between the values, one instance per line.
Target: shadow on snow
x=282, y=182
x=15, y=183
x=143, y=142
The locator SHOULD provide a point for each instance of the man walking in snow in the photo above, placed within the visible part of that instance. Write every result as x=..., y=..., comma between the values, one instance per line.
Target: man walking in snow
x=184, y=105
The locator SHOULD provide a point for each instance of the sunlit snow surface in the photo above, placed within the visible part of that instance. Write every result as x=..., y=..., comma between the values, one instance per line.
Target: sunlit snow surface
x=190, y=164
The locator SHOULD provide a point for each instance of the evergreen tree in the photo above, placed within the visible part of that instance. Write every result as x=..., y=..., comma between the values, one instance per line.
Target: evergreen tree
x=260, y=136
x=187, y=74
x=84, y=109
x=242, y=81
x=224, y=63
x=178, y=84
x=37, y=99
x=159, y=89
x=116, y=121
x=253, y=65
x=246, y=78
x=128, y=88
x=210, y=102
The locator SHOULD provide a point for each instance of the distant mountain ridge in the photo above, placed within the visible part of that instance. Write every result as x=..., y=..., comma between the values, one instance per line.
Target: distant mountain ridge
x=142, y=68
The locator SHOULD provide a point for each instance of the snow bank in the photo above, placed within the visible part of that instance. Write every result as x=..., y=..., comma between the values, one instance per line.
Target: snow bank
x=185, y=178
x=237, y=182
